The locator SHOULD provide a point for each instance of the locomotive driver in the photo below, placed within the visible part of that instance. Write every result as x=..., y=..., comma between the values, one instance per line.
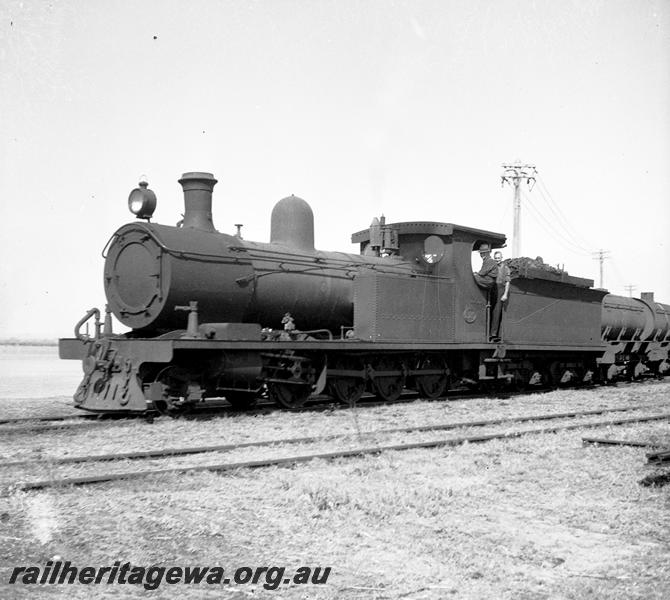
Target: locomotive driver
x=486, y=278
x=502, y=293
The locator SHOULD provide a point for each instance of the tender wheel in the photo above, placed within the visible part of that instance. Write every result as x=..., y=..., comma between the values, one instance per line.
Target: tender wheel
x=590, y=376
x=240, y=400
x=608, y=374
x=434, y=385
x=388, y=387
x=542, y=374
x=521, y=380
x=347, y=389
x=638, y=370
x=563, y=376
x=289, y=395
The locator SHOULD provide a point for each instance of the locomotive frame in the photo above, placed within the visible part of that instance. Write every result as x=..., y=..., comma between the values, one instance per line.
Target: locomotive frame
x=404, y=313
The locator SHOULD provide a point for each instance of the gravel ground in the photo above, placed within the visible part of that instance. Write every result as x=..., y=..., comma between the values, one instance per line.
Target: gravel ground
x=541, y=516
x=132, y=435
x=43, y=468
x=56, y=406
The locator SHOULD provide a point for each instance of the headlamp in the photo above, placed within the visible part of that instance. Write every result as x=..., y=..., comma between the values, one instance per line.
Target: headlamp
x=142, y=201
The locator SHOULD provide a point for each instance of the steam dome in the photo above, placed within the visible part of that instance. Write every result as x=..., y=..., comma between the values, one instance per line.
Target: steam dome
x=292, y=224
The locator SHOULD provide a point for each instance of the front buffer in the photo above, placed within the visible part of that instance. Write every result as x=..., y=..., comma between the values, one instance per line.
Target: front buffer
x=113, y=371
x=135, y=375
x=184, y=367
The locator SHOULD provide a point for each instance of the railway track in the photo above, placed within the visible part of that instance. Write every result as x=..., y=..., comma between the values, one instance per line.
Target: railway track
x=319, y=404
x=43, y=419
x=361, y=451
x=223, y=409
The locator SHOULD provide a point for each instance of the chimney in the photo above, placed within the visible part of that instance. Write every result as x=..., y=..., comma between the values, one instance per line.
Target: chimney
x=647, y=297
x=198, y=200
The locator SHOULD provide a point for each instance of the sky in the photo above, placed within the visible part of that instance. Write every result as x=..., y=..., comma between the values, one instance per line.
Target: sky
x=403, y=107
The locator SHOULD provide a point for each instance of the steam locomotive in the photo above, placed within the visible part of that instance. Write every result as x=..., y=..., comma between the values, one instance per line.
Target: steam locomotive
x=214, y=315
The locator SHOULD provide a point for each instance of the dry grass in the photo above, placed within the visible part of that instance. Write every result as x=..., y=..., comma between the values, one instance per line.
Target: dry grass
x=138, y=435
x=57, y=406
x=537, y=517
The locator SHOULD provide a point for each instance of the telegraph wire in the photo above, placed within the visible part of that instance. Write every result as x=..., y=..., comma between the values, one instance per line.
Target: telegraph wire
x=561, y=219
x=541, y=219
x=501, y=221
x=553, y=205
x=549, y=228
x=618, y=275
x=567, y=236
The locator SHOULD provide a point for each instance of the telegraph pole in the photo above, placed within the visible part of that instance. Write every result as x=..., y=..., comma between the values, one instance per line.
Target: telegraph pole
x=630, y=289
x=514, y=175
x=601, y=256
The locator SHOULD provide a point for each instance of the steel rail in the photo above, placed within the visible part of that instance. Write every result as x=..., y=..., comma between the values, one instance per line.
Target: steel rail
x=613, y=442
x=169, y=452
x=86, y=424
x=101, y=478
x=317, y=404
x=659, y=456
x=658, y=480
x=6, y=421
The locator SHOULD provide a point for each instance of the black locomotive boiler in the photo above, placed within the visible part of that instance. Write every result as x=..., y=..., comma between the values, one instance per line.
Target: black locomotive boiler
x=214, y=315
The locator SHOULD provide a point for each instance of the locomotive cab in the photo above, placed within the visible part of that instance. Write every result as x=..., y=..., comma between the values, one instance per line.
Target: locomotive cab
x=440, y=301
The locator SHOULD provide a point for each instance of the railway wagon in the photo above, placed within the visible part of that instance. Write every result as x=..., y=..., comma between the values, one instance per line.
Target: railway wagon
x=214, y=315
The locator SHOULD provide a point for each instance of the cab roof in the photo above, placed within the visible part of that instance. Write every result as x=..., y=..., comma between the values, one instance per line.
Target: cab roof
x=497, y=240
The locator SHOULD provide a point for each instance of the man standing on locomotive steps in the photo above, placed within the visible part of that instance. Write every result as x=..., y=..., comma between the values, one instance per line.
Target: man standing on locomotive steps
x=501, y=295
x=486, y=278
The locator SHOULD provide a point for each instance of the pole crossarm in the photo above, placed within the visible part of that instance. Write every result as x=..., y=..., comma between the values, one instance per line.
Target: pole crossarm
x=512, y=172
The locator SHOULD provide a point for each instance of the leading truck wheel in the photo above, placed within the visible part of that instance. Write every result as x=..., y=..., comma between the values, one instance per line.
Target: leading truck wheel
x=289, y=394
x=174, y=381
